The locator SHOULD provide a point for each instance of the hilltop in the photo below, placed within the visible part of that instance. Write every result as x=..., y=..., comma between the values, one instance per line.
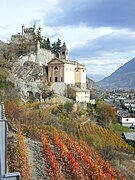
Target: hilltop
x=122, y=78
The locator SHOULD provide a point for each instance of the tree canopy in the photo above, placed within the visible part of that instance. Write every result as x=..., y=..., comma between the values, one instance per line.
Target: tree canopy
x=105, y=114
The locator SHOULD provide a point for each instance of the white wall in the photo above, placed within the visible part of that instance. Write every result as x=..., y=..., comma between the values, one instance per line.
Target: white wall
x=128, y=121
x=83, y=96
x=83, y=76
x=69, y=74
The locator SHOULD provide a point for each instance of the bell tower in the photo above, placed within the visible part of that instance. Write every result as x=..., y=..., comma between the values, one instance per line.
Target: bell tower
x=64, y=52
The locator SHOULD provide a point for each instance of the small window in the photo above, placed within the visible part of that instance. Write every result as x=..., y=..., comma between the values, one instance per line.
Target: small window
x=61, y=79
x=83, y=70
x=126, y=119
x=77, y=70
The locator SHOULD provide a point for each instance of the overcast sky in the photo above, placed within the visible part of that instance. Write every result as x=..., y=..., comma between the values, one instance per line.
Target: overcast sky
x=98, y=33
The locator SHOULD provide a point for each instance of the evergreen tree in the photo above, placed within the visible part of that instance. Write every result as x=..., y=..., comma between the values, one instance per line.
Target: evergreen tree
x=48, y=44
x=38, y=37
x=56, y=46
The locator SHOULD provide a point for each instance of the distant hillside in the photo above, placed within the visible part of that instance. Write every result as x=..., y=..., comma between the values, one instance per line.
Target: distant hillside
x=123, y=77
x=91, y=84
x=96, y=77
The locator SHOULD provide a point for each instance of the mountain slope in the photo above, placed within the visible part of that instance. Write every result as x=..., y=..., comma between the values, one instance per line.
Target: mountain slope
x=123, y=77
x=91, y=84
x=96, y=77
x=62, y=157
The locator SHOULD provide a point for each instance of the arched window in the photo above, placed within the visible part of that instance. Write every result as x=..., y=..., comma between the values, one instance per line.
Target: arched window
x=56, y=68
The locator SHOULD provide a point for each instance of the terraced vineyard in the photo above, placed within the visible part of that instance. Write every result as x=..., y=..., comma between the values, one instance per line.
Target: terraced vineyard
x=67, y=158
x=104, y=135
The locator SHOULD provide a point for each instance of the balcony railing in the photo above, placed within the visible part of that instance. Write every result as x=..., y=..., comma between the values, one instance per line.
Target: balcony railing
x=3, y=148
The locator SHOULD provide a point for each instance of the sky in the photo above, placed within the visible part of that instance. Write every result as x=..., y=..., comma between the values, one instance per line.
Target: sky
x=98, y=33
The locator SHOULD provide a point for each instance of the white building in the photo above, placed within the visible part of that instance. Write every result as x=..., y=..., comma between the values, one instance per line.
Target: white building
x=79, y=95
x=127, y=120
x=73, y=75
x=69, y=72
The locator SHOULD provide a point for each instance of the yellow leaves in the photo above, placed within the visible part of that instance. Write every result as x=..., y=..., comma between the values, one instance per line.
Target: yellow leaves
x=99, y=135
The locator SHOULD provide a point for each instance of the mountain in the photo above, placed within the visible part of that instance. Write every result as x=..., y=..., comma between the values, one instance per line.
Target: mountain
x=91, y=84
x=96, y=77
x=123, y=77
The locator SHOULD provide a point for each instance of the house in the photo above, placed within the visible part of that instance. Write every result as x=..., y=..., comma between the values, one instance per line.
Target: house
x=126, y=120
x=128, y=102
x=79, y=95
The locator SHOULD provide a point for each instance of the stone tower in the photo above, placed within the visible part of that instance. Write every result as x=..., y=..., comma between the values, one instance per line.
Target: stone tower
x=23, y=27
x=64, y=52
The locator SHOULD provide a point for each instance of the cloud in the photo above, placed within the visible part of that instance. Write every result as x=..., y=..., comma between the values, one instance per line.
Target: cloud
x=53, y=35
x=103, y=70
x=35, y=21
x=103, y=65
x=4, y=27
x=105, y=45
x=93, y=13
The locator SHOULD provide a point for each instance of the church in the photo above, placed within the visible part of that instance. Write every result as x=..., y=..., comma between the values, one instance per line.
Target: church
x=59, y=68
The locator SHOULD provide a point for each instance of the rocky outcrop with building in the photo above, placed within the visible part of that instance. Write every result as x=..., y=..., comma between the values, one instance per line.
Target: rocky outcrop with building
x=38, y=64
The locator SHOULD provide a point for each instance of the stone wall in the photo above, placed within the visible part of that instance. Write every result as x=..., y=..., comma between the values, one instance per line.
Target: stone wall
x=30, y=57
x=59, y=88
x=44, y=56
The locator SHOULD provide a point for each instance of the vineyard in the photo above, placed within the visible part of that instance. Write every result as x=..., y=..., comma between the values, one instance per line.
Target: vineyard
x=65, y=158
x=93, y=132
x=57, y=155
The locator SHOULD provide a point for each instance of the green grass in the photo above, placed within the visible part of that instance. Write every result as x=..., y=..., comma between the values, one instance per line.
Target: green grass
x=6, y=85
x=120, y=129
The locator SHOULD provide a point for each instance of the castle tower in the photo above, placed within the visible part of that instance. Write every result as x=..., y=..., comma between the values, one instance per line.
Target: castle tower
x=23, y=27
x=34, y=27
x=64, y=52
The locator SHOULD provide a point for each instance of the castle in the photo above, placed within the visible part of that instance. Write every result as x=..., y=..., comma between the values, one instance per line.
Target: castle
x=60, y=71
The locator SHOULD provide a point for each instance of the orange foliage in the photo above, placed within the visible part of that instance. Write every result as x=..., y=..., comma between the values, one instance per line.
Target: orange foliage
x=23, y=158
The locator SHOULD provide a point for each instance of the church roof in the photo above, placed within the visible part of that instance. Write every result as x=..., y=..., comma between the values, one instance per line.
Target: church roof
x=64, y=47
x=66, y=62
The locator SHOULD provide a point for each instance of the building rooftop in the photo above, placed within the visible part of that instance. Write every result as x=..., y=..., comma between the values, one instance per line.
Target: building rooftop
x=77, y=89
x=67, y=62
x=129, y=135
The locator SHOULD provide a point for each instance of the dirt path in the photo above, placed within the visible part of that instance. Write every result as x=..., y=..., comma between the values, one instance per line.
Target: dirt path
x=37, y=163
